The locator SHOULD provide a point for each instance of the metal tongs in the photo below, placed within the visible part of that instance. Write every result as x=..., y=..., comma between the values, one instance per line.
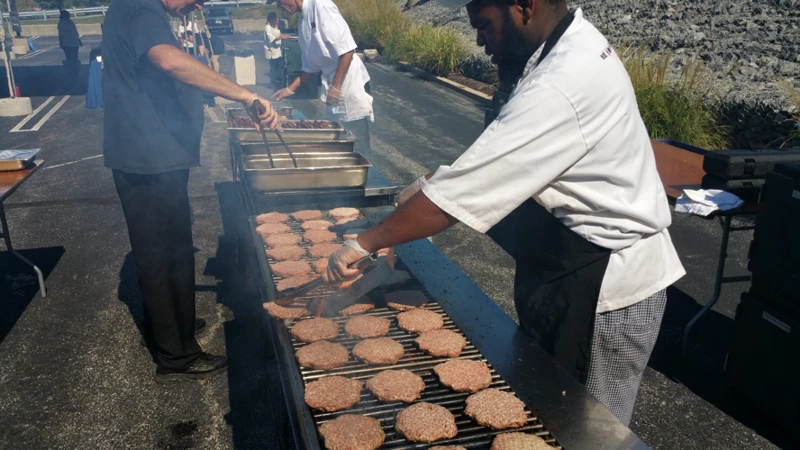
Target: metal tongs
x=259, y=107
x=289, y=294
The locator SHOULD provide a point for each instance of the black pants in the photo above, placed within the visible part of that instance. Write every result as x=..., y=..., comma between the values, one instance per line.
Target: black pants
x=276, y=71
x=158, y=214
x=70, y=53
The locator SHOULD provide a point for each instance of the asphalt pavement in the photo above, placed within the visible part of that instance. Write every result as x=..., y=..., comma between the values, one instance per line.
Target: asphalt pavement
x=72, y=372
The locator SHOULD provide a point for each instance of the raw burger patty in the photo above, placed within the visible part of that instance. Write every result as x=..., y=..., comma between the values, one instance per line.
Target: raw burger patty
x=426, y=422
x=356, y=308
x=273, y=217
x=496, y=409
x=323, y=250
x=293, y=282
x=331, y=394
x=352, y=432
x=281, y=312
x=396, y=385
x=367, y=326
x=352, y=222
x=282, y=240
x=442, y=343
x=352, y=233
x=287, y=269
x=341, y=213
x=287, y=253
x=419, y=320
x=268, y=229
x=398, y=277
x=519, y=441
x=307, y=214
x=316, y=225
x=317, y=329
x=405, y=300
x=322, y=355
x=380, y=350
x=462, y=375
x=319, y=236
x=321, y=265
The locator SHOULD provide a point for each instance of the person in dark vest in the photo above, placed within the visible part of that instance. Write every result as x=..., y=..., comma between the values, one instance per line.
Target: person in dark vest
x=69, y=40
x=565, y=180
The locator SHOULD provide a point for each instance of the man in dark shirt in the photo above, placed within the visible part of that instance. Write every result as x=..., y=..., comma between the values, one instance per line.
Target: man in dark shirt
x=153, y=124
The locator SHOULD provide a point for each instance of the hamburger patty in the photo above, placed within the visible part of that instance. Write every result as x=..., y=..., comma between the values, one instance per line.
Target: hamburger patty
x=307, y=214
x=268, y=229
x=321, y=265
x=316, y=329
x=272, y=217
x=380, y=350
x=286, y=253
x=322, y=355
x=441, y=343
x=352, y=432
x=496, y=409
x=396, y=385
x=341, y=213
x=356, y=308
x=463, y=375
x=405, y=300
x=419, y=320
x=282, y=240
x=316, y=225
x=319, y=236
x=281, y=312
x=334, y=393
x=426, y=422
x=367, y=326
x=293, y=282
x=287, y=269
x=323, y=250
x=519, y=441
x=352, y=233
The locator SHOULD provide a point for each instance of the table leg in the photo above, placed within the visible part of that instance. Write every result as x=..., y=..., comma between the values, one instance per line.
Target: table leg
x=7, y=239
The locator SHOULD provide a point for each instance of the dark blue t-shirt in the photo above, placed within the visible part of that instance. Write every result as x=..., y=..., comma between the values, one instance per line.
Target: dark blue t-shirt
x=153, y=122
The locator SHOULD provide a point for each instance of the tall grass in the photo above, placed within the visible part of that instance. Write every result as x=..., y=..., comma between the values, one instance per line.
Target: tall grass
x=677, y=110
x=794, y=97
x=373, y=22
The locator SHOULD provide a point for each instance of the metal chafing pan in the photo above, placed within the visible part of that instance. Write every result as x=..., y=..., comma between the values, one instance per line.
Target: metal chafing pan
x=313, y=171
x=345, y=144
x=335, y=132
x=17, y=159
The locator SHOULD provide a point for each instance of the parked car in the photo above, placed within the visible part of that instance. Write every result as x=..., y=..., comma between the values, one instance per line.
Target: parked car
x=218, y=20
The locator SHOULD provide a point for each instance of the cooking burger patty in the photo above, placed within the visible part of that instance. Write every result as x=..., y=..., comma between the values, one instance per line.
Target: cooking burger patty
x=352, y=432
x=441, y=343
x=519, y=441
x=282, y=240
x=341, y=213
x=333, y=393
x=307, y=214
x=426, y=422
x=268, y=229
x=356, y=308
x=380, y=350
x=319, y=236
x=396, y=385
x=405, y=300
x=316, y=329
x=316, y=225
x=367, y=326
x=496, y=409
x=287, y=253
x=419, y=320
x=323, y=250
x=272, y=217
x=280, y=312
x=322, y=355
x=287, y=269
x=463, y=375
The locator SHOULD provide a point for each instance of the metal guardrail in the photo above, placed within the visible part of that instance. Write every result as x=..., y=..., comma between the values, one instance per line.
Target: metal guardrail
x=101, y=10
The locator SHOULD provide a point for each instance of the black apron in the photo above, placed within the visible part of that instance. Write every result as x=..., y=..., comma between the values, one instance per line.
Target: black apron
x=558, y=273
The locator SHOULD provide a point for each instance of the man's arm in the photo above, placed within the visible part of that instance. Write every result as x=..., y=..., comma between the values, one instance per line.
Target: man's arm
x=281, y=94
x=342, y=68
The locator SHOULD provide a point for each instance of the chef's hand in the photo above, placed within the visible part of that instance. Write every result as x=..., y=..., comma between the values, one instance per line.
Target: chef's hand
x=338, y=263
x=334, y=96
x=281, y=94
x=266, y=115
x=411, y=189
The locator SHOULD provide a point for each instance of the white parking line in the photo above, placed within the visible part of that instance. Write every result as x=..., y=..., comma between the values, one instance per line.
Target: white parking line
x=73, y=162
x=50, y=114
x=31, y=115
x=37, y=52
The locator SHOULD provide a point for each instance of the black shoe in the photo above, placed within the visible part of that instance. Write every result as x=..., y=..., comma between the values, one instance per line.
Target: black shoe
x=206, y=366
x=199, y=328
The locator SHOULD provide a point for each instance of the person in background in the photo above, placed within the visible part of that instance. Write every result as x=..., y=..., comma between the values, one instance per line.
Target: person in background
x=217, y=50
x=68, y=39
x=327, y=47
x=272, y=48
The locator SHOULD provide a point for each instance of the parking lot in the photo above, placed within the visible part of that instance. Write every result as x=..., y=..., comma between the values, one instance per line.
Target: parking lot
x=72, y=372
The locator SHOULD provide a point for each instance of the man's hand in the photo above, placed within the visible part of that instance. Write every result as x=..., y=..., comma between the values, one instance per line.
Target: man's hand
x=334, y=96
x=338, y=263
x=281, y=94
x=266, y=116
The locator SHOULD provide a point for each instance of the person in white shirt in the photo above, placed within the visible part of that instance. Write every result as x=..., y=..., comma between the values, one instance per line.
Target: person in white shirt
x=327, y=47
x=565, y=180
x=272, y=48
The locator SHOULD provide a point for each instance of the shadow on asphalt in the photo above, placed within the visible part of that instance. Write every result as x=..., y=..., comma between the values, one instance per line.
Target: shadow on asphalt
x=18, y=282
x=45, y=81
x=703, y=371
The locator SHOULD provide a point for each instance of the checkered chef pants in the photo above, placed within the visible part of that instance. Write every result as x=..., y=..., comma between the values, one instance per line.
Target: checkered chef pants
x=621, y=346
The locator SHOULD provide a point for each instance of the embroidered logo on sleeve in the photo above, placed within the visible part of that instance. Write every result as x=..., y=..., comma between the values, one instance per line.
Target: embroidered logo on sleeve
x=606, y=53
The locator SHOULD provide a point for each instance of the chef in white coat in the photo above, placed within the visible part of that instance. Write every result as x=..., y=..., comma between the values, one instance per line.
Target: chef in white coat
x=328, y=48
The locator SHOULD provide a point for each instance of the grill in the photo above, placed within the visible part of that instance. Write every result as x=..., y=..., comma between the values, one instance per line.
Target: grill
x=470, y=434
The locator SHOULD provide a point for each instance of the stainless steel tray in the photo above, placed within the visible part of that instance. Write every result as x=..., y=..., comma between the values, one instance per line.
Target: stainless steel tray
x=314, y=171
x=344, y=145
x=17, y=159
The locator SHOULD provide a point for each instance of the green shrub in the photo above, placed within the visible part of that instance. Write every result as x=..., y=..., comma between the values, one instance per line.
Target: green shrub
x=373, y=22
x=794, y=96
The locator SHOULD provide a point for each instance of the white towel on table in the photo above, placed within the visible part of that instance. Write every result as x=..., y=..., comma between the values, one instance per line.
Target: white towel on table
x=705, y=201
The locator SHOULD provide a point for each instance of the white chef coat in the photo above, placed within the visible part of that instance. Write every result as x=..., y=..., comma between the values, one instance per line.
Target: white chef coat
x=571, y=137
x=324, y=36
x=272, y=45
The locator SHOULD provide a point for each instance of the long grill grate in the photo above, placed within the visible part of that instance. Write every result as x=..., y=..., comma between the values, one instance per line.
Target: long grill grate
x=470, y=434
